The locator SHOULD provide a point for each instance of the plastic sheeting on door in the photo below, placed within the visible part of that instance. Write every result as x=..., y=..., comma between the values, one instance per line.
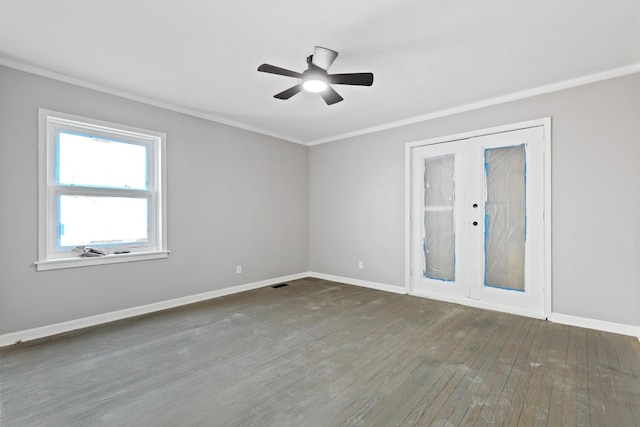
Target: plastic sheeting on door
x=439, y=238
x=505, y=217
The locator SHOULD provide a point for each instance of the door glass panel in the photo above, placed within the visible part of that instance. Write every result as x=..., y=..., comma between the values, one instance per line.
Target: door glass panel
x=505, y=217
x=439, y=242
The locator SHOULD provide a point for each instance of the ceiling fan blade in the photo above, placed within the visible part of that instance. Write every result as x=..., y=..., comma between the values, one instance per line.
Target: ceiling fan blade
x=358, y=79
x=323, y=57
x=286, y=94
x=330, y=96
x=267, y=68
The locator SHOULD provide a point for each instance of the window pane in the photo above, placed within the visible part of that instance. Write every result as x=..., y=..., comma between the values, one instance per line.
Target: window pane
x=88, y=161
x=87, y=220
x=439, y=239
x=505, y=217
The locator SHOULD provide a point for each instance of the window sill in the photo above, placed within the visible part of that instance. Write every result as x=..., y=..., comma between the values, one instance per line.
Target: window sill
x=55, y=264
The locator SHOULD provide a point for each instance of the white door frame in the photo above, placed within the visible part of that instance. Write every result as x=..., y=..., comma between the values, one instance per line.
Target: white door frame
x=546, y=125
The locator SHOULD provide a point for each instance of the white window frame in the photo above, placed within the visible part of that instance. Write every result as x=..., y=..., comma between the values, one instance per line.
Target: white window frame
x=49, y=256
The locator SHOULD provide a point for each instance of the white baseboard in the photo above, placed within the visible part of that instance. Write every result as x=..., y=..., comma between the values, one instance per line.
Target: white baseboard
x=358, y=282
x=72, y=325
x=58, y=328
x=599, y=325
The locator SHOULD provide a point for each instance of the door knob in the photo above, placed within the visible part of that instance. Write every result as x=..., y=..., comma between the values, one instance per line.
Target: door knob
x=475, y=222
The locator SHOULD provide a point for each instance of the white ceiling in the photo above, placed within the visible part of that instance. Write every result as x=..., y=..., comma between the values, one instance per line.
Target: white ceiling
x=427, y=56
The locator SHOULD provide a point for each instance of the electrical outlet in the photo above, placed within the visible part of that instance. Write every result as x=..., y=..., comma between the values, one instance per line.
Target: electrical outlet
x=360, y=265
x=238, y=269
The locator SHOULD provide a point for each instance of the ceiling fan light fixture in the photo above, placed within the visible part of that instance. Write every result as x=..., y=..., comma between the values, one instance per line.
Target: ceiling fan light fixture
x=314, y=85
x=316, y=79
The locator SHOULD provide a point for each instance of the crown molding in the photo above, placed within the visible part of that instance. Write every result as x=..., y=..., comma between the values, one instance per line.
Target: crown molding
x=540, y=90
x=31, y=69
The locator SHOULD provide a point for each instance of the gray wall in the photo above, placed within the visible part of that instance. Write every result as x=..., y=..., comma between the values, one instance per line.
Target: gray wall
x=234, y=197
x=278, y=208
x=356, y=197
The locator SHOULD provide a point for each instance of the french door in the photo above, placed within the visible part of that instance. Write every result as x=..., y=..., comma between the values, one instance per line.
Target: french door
x=477, y=221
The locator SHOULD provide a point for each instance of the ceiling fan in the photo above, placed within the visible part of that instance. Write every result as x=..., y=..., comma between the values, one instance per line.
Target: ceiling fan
x=316, y=78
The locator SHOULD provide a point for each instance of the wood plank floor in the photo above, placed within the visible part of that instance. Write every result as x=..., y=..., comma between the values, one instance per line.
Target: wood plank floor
x=318, y=353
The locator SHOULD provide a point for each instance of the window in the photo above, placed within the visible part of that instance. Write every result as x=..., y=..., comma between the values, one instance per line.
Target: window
x=101, y=192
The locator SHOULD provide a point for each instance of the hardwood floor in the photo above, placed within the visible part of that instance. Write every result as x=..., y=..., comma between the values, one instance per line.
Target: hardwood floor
x=318, y=353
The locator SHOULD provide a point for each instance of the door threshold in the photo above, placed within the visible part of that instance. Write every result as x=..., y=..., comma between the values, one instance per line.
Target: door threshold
x=479, y=304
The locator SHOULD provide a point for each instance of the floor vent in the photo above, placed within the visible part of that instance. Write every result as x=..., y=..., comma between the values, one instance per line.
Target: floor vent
x=280, y=285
